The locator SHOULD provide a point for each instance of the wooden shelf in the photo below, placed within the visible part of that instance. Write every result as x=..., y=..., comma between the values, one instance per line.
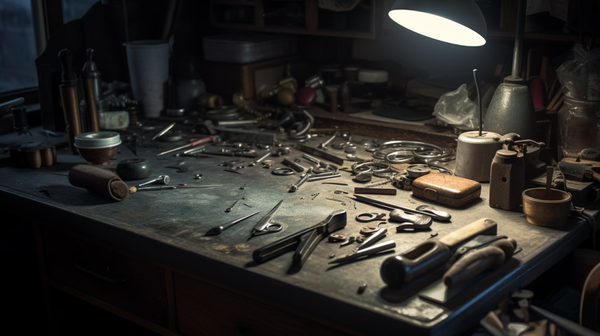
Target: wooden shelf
x=311, y=24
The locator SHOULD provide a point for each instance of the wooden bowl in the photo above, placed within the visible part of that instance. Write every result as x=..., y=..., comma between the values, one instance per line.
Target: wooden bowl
x=99, y=156
x=546, y=210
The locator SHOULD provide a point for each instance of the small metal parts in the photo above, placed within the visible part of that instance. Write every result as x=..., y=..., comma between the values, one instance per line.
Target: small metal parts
x=348, y=242
x=293, y=165
x=416, y=171
x=161, y=179
x=323, y=177
x=365, y=217
x=362, y=288
x=336, y=238
x=259, y=160
x=314, y=196
x=324, y=145
x=363, y=177
x=197, y=176
x=233, y=205
x=300, y=182
x=164, y=130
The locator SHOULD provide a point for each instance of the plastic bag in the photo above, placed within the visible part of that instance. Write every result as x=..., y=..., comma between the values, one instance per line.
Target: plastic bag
x=580, y=74
x=456, y=109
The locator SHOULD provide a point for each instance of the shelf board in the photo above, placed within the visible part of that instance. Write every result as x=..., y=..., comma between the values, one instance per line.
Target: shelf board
x=295, y=30
x=538, y=36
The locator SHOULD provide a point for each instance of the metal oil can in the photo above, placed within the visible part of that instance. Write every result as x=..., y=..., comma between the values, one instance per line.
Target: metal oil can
x=507, y=179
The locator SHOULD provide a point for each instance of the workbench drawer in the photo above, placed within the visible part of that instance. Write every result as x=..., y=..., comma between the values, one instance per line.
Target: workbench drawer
x=203, y=309
x=130, y=283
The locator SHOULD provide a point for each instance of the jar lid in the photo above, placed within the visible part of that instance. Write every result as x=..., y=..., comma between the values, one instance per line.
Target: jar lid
x=373, y=76
x=97, y=140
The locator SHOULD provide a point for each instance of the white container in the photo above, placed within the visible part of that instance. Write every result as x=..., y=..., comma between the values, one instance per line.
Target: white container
x=247, y=47
x=148, y=63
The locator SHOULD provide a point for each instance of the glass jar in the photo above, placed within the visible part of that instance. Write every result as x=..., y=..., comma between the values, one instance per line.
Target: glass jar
x=578, y=126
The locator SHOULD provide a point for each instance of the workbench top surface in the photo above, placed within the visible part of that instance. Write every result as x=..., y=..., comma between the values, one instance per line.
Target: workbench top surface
x=169, y=225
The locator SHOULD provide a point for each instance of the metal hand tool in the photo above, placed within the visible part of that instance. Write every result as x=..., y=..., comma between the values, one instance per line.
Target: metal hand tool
x=218, y=229
x=161, y=179
x=165, y=130
x=416, y=222
x=435, y=214
x=300, y=182
x=259, y=160
x=265, y=226
x=191, y=144
x=303, y=242
x=312, y=159
x=375, y=237
x=419, y=260
x=324, y=144
x=369, y=251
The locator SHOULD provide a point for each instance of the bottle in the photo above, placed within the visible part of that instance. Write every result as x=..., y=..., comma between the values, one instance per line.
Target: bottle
x=507, y=180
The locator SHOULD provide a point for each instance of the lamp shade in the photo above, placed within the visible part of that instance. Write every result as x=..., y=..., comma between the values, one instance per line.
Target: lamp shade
x=453, y=21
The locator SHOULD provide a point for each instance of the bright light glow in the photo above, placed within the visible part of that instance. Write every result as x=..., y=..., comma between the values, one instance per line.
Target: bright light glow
x=437, y=27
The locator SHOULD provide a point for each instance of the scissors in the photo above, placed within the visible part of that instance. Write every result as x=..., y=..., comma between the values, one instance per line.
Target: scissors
x=265, y=226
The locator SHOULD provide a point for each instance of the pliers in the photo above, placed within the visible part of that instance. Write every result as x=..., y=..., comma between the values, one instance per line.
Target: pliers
x=303, y=242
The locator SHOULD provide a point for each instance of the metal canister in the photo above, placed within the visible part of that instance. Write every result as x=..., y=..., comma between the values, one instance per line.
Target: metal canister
x=474, y=154
x=507, y=180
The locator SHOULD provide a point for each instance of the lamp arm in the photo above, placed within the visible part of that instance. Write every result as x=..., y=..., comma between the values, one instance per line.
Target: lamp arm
x=518, y=51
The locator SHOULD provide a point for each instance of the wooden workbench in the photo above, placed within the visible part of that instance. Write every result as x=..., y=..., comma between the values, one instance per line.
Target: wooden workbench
x=147, y=259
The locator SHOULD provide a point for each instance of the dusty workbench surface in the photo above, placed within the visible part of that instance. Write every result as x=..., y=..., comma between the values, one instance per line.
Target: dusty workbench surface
x=169, y=225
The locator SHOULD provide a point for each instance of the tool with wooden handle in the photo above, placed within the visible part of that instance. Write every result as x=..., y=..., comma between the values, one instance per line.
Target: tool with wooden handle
x=408, y=266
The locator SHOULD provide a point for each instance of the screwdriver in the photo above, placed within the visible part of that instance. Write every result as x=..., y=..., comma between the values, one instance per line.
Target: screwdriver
x=191, y=144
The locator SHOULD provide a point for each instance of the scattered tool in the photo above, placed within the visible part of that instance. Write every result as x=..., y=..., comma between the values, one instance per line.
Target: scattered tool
x=259, y=160
x=375, y=237
x=369, y=251
x=218, y=229
x=297, y=167
x=134, y=189
x=191, y=144
x=326, y=143
x=376, y=191
x=165, y=130
x=435, y=214
x=233, y=205
x=303, y=242
x=161, y=179
x=265, y=225
x=419, y=260
x=300, y=182
x=364, y=217
x=418, y=222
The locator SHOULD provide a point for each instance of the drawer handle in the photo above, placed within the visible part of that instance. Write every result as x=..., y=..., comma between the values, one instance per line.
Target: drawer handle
x=78, y=266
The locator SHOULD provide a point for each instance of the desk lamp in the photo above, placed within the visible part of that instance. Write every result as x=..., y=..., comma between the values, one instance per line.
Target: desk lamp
x=461, y=22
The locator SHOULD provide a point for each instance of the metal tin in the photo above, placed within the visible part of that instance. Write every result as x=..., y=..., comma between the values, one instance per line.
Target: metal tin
x=96, y=140
x=474, y=154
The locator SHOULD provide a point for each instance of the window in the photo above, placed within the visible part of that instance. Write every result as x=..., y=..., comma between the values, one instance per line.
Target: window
x=17, y=46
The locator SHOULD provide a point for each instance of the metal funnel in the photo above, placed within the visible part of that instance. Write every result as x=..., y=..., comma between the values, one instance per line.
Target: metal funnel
x=511, y=110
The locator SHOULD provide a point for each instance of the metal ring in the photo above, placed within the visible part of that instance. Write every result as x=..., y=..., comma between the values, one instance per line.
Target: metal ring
x=283, y=171
x=371, y=165
x=385, y=174
x=363, y=177
x=364, y=217
x=406, y=156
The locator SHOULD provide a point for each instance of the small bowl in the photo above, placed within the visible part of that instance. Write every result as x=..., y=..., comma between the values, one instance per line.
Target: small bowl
x=98, y=147
x=551, y=211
